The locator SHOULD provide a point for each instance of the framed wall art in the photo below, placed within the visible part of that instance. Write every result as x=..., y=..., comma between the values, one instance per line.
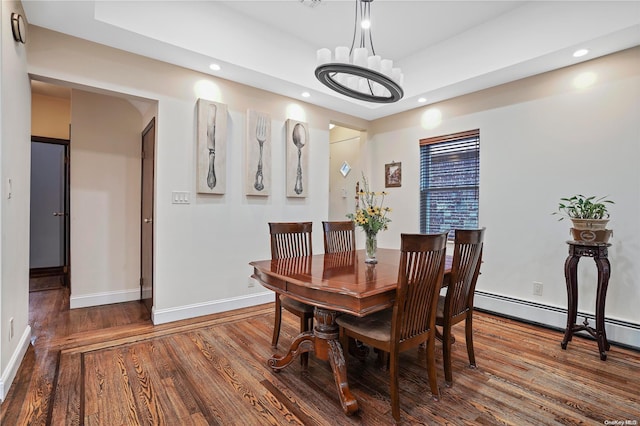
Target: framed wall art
x=211, y=168
x=297, y=152
x=258, y=154
x=392, y=175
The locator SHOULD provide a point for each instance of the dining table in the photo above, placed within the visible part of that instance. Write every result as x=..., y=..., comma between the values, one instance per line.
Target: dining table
x=335, y=284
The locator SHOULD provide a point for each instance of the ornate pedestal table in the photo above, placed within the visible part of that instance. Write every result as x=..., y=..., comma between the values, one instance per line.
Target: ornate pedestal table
x=333, y=283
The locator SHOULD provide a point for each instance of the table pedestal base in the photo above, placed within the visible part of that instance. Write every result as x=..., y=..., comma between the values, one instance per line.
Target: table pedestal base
x=324, y=342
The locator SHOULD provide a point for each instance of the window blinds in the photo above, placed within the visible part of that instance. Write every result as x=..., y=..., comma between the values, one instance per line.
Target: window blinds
x=449, y=182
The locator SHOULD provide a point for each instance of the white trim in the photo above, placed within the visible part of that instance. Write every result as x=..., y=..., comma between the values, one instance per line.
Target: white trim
x=161, y=316
x=14, y=363
x=104, y=298
x=617, y=331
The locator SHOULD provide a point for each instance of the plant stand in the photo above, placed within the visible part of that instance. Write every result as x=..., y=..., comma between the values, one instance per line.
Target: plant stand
x=599, y=253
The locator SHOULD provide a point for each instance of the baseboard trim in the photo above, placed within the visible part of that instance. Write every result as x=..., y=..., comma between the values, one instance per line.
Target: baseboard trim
x=621, y=332
x=162, y=316
x=14, y=363
x=104, y=298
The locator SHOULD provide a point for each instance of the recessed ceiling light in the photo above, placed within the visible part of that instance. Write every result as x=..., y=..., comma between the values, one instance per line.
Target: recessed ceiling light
x=215, y=67
x=422, y=100
x=306, y=94
x=331, y=126
x=580, y=52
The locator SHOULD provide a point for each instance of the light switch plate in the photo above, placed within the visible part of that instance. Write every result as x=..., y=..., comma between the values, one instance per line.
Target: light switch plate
x=180, y=197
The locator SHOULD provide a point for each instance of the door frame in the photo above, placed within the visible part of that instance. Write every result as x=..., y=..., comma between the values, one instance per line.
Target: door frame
x=147, y=218
x=65, y=269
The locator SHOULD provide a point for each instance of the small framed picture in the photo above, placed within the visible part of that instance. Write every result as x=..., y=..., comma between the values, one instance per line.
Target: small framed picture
x=393, y=175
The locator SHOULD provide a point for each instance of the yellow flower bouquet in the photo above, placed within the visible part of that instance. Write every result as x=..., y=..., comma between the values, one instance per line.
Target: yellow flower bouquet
x=371, y=217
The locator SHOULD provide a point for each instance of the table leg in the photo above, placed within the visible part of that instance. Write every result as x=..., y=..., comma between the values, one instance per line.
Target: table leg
x=604, y=271
x=303, y=343
x=324, y=342
x=571, y=276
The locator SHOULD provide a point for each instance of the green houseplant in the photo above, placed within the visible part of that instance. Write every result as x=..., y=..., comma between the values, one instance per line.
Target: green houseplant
x=589, y=216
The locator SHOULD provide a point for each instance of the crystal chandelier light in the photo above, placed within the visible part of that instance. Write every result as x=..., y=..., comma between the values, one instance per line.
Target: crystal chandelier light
x=357, y=71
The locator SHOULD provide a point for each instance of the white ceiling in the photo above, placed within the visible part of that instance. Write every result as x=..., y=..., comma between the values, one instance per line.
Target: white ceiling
x=445, y=48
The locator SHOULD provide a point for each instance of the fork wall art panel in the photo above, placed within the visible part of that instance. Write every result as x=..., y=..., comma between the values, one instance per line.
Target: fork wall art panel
x=297, y=149
x=258, y=152
x=211, y=155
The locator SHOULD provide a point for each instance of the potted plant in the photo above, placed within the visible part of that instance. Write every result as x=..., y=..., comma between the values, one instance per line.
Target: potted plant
x=589, y=216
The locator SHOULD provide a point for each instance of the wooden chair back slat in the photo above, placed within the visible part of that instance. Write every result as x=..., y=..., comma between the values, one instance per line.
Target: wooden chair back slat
x=339, y=236
x=420, y=277
x=290, y=239
x=467, y=257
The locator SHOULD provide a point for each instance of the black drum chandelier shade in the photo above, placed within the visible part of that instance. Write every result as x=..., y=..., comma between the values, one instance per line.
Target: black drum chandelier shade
x=357, y=71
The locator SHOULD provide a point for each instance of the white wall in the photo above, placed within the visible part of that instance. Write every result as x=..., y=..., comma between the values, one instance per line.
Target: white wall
x=15, y=122
x=105, y=199
x=540, y=139
x=202, y=249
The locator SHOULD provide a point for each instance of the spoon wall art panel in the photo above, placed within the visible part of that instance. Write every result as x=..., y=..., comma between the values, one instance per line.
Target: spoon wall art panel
x=297, y=149
x=258, y=154
x=211, y=168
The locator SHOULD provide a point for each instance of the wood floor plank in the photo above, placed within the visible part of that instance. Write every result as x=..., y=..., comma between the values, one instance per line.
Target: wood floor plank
x=66, y=401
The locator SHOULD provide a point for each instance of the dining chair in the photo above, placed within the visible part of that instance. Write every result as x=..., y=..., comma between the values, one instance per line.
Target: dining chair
x=457, y=304
x=411, y=321
x=339, y=236
x=288, y=240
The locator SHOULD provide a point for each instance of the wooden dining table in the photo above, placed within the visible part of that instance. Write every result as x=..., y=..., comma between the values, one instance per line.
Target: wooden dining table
x=333, y=283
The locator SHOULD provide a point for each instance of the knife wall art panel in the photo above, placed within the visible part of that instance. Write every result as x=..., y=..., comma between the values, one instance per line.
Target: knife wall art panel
x=258, y=152
x=297, y=149
x=212, y=147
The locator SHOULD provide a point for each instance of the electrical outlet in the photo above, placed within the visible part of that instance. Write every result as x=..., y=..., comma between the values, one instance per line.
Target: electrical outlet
x=537, y=288
x=10, y=328
x=251, y=282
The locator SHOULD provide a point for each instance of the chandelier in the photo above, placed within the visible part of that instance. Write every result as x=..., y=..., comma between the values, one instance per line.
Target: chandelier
x=358, y=72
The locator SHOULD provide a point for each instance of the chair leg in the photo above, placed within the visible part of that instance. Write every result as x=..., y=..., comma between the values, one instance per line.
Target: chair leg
x=358, y=349
x=446, y=353
x=431, y=367
x=383, y=360
x=276, y=325
x=393, y=382
x=439, y=335
x=468, y=328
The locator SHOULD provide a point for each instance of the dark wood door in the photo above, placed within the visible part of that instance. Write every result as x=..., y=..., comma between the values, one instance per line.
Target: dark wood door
x=146, y=219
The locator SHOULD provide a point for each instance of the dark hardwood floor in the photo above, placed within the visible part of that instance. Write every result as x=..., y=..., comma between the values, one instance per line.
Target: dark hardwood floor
x=45, y=282
x=108, y=365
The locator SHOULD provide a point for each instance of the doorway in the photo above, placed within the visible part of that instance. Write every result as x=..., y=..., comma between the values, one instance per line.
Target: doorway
x=106, y=243
x=345, y=170
x=49, y=220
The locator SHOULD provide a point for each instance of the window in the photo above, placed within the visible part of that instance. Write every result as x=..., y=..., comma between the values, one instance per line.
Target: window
x=449, y=182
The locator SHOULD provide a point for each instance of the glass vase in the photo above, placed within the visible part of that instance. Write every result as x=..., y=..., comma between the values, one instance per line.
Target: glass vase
x=371, y=246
